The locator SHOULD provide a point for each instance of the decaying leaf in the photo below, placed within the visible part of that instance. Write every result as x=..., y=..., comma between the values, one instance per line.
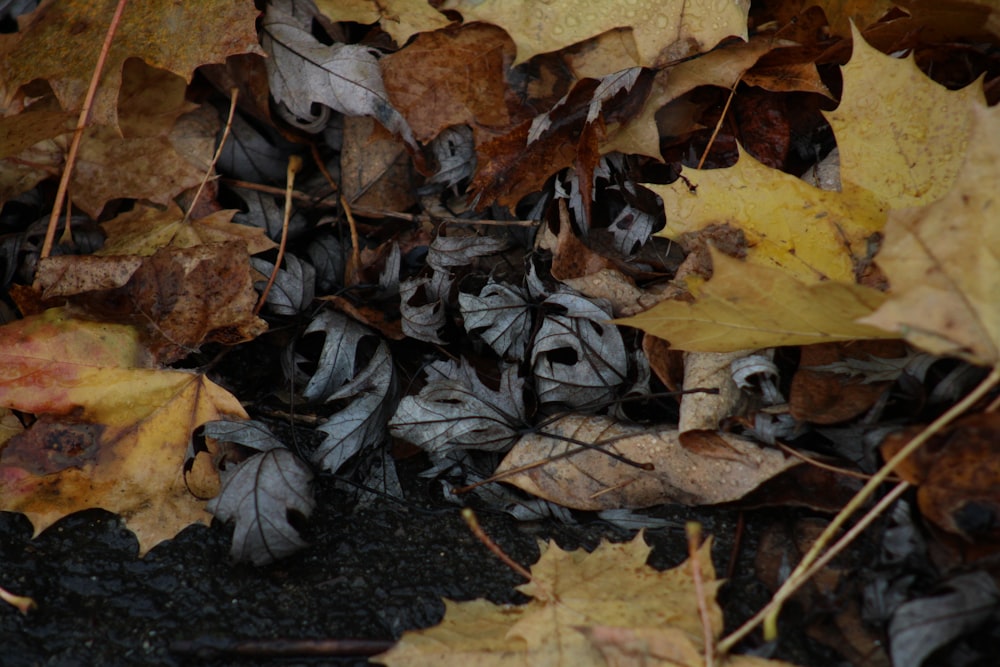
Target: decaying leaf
x=714, y=468
x=123, y=431
x=349, y=370
x=399, y=18
x=499, y=314
x=260, y=492
x=455, y=409
x=44, y=49
x=578, y=355
x=304, y=71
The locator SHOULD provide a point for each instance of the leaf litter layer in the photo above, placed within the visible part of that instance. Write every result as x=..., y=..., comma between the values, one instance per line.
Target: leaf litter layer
x=530, y=234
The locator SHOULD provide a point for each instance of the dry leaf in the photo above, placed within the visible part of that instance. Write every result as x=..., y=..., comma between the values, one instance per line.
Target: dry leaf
x=723, y=468
x=399, y=18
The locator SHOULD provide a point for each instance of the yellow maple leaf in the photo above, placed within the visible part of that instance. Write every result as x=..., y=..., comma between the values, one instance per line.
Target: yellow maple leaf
x=144, y=230
x=581, y=604
x=901, y=135
x=943, y=260
x=112, y=431
x=902, y=138
x=662, y=31
x=746, y=306
x=400, y=18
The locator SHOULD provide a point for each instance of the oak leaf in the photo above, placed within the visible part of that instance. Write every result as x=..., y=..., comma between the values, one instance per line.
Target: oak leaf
x=113, y=429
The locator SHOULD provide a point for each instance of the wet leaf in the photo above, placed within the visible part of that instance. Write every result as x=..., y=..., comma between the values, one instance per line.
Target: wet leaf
x=943, y=260
x=121, y=438
x=260, y=492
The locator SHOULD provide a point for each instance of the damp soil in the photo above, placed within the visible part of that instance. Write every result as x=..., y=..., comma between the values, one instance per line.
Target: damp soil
x=369, y=574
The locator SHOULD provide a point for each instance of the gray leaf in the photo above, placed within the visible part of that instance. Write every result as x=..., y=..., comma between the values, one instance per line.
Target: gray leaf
x=447, y=252
x=345, y=77
x=251, y=156
x=455, y=153
x=500, y=315
x=264, y=213
x=249, y=433
x=455, y=409
x=363, y=422
x=328, y=255
x=631, y=229
x=336, y=360
x=294, y=287
x=585, y=336
x=921, y=626
x=258, y=494
x=421, y=321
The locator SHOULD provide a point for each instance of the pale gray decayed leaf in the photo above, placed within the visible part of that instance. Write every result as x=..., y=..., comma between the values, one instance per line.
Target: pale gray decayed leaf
x=258, y=493
x=371, y=391
x=264, y=213
x=501, y=317
x=448, y=252
x=578, y=357
x=303, y=71
x=455, y=409
x=294, y=287
x=422, y=320
x=455, y=153
x=631, y=229
x=251, y=156
x=920, y=627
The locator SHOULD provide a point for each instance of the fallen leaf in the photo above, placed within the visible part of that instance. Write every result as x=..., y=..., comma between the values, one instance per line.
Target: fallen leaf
x=44, y=48
x=260, y=492
x=144, y=230
x=571, y=592
x=553, y=466
x=400, y=18
x=943, y=260
x=745, y=306
x=662, y=32
x=122, y=431
x=456, y=410
x=303, y=71
x=180, y=297
x=901, y=136
x=957, y=475
x=351, y=372
x=432, y=93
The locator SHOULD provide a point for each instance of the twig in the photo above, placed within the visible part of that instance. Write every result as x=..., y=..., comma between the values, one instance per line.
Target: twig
x=81, y=123
x=355, y=250
x=770, y=614
x=718, y=126
x=218, y=153
x=477, y=530
x=294, y=165
x=693, y=530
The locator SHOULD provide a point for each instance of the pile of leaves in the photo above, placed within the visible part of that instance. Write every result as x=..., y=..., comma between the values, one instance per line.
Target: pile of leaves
x=580, y=256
